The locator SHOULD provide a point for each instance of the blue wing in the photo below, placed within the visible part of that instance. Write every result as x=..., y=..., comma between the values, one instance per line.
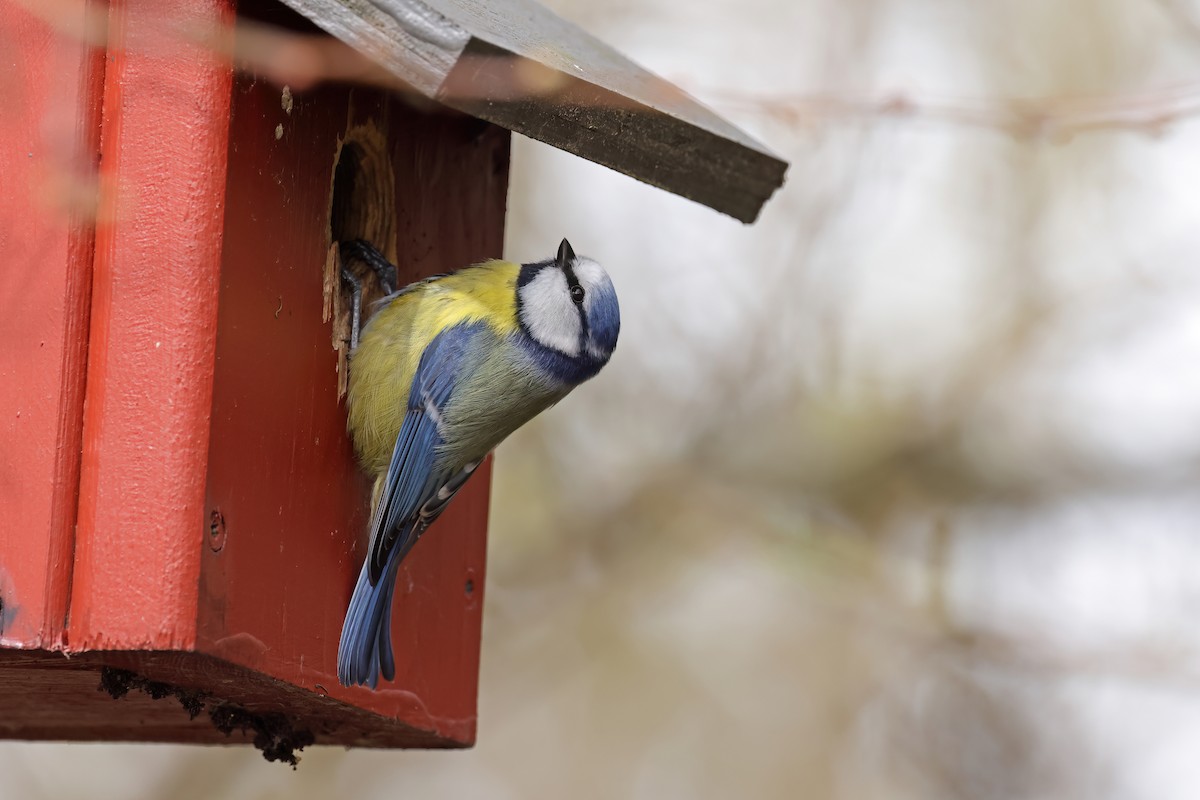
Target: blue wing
x=415, y=492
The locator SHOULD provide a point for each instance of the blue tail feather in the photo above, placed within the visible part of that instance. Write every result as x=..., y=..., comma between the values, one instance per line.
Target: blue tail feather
x=365, y=648
x=387, y=658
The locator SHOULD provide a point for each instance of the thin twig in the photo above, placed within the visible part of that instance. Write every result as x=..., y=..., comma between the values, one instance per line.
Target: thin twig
x=1054, y=117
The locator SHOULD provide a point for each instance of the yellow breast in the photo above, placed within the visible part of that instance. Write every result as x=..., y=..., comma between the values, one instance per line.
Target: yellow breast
x=382, y=368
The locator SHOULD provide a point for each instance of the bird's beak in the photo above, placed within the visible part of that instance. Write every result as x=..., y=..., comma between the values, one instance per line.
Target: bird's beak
x=565, y=255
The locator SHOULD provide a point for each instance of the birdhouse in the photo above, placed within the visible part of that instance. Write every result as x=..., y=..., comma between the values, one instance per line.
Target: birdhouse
x=181, y=516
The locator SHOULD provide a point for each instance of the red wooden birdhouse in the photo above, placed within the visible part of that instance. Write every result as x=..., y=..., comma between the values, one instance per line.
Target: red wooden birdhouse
x=181, y=516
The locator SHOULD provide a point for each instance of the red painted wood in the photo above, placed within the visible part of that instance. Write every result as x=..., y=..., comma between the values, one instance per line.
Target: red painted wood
x=149, y=382
x=281, y=471
x=211, y=387
x=48, y=148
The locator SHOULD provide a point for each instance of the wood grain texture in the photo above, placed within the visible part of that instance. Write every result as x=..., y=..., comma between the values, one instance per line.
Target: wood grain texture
x=49, y=134
x=149, y=380
x=282, y=475
x=46, y=696
x=411, y=40
x=517, y=64
x=211, y=403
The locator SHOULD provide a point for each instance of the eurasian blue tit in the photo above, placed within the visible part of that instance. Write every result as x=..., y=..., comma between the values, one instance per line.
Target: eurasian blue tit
x=444, y=371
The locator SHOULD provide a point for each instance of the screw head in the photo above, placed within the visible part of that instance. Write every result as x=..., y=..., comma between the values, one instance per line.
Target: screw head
x=216, y=530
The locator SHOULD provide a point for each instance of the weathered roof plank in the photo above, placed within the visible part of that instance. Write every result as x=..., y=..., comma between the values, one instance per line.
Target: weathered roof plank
x=518, y=65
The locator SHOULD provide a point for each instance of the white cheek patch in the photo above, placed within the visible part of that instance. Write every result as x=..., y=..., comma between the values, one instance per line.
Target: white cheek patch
x=549, y=314
x=590, y=274
x=595, y=351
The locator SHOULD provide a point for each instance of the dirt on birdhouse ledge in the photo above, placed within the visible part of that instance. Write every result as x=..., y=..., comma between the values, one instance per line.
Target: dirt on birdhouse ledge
x=274, y=735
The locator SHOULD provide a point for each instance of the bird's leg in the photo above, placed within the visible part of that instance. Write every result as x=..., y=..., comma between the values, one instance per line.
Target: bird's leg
x=367, y=253
x=385, y=273
x=355, y=305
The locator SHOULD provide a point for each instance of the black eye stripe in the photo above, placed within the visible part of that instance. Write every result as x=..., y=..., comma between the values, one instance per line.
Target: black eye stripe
x=576, y=291
x=572, y=279
x=574, y=288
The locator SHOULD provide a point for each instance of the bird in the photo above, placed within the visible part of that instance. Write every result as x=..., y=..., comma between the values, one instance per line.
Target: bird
x=443, y=371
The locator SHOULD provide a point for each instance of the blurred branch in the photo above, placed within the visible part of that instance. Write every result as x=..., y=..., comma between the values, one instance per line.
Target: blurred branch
x=1047, y=118
x=303, y=60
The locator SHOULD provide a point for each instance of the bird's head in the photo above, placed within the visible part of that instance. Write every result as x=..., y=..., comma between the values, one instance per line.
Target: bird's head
x=568, y=305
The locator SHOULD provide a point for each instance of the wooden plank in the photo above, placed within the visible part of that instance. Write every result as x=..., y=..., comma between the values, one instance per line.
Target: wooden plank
x=178, y=697
x=48, y=151
x=150, y=365
x=290, y=501
x=515, y=63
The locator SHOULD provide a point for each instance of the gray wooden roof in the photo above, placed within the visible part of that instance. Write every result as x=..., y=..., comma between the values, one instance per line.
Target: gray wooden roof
x=515, y=63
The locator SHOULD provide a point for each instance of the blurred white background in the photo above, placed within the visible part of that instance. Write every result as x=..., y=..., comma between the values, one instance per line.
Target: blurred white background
x=895, y=494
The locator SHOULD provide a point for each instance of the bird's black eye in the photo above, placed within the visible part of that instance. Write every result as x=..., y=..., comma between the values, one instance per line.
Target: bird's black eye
x=577, y=294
